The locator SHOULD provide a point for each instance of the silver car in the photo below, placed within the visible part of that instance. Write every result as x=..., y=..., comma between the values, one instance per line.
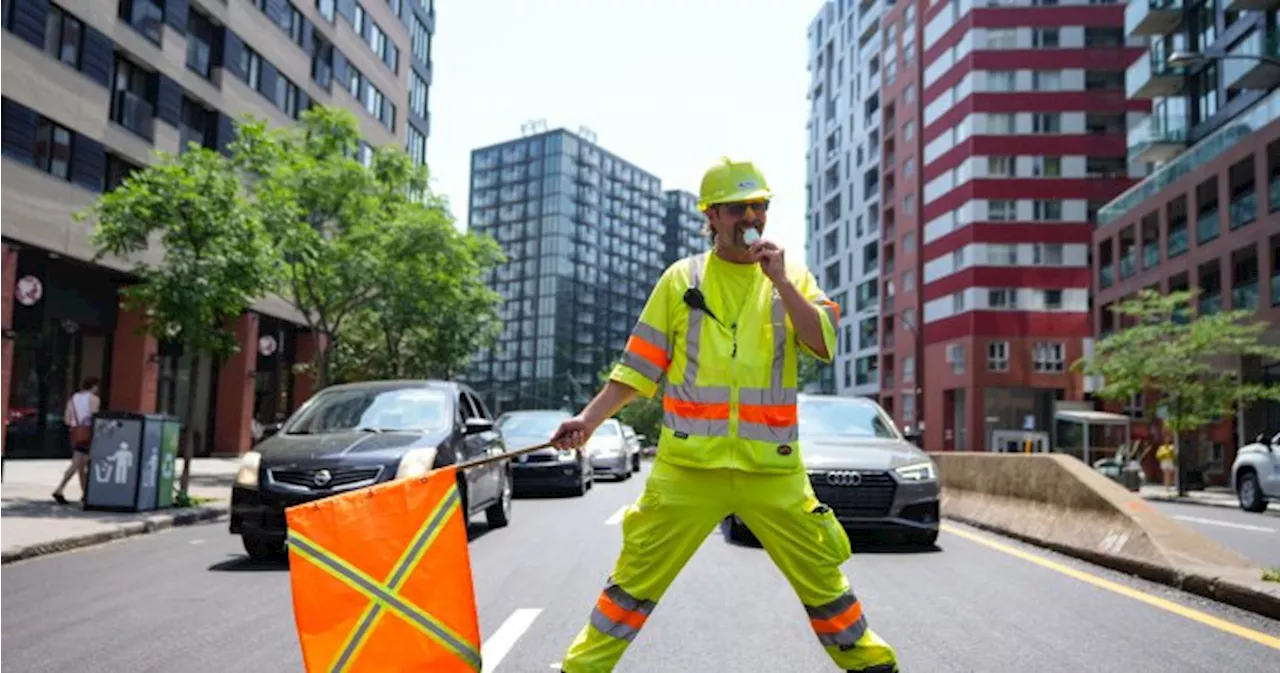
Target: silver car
x=864, y=469
x=609, y=451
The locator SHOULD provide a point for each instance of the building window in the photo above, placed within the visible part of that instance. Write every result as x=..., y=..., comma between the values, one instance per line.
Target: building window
x=1045, y=37
x=286, y=96
x=420, y=39
x=1046, y=167
x=1001, y=80
x=326, y=8
x=133, y=92
x=53, y=149
x=955, y=356
x=146, y=17
x=1046, y=123
x=354, y=80
x=200, y=43
x=417, y=147
x=322, y=63
x=998, y=356
x=63, y=34
x=1002, y=210
x=198, y=125
x=1050, y=211
x=417, y=95
x=1048, y=254
x=1000, y=167
x=1048, y=356
x=1003, y=299
x=1053, y=300
x=251, y=66
x=1002, y=254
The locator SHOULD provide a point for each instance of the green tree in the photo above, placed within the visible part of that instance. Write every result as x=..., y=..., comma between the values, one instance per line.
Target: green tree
x=1183, y=364
x=332, y=219
x=216, y=257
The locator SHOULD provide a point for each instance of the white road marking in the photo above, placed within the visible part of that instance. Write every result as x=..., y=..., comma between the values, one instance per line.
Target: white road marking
x=197, y=542
x=555, y=666
x=617, y=516
x=1215, y=522
x=496, y=647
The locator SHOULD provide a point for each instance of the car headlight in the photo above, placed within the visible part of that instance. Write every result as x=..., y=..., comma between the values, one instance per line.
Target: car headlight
x=917, y=472
x=566, y=455
x=247, y=477
x=416, y=463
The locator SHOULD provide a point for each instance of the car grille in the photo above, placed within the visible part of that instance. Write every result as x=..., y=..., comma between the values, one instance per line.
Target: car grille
x=871, y=497
x=539, y=458
x=339, y=477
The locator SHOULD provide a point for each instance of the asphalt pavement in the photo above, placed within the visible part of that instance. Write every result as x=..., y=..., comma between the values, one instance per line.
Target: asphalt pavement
x=186, y=599
x=1253, y=536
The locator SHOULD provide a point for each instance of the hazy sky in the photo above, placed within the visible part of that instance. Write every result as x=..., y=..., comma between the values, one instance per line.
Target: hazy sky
x=669, y=85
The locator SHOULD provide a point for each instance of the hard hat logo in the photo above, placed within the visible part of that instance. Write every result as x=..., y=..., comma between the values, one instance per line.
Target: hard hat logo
x=732, y=181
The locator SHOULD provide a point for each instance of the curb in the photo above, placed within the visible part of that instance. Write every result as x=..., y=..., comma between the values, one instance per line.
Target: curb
x=1270, y=511
x=150, y=524
x=1217, y=589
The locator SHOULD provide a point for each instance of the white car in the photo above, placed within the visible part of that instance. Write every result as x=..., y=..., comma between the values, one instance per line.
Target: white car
x=633, y=445
x=609, y=451
x=1255, y=474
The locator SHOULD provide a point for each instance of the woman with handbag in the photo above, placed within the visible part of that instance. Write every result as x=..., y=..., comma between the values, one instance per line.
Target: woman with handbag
x=78, y=416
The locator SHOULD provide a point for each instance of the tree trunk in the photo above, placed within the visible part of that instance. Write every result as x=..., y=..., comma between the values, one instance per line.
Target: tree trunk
x=189, y=435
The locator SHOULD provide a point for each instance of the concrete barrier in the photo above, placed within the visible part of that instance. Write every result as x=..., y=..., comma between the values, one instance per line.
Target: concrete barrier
x=1058, y=502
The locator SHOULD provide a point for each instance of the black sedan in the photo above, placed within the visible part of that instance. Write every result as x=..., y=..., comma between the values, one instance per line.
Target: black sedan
x=548, y=469
x=356, y=435
x=871, y=475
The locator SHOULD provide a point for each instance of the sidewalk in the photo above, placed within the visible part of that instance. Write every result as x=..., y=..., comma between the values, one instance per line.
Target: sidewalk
x=32, y=524
x=1213, y=496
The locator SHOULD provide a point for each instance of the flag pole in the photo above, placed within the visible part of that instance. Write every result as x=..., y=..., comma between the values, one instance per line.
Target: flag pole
x=476, y=462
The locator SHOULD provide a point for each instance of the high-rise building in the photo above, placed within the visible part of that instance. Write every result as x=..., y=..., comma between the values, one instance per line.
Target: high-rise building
x=94, y=87
x=684, y=226
x=1208, y=215
x=585, y=241
x=843, y=186
x=1003, y=134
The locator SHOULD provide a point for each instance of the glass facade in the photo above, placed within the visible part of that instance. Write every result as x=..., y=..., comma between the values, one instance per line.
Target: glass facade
x=585, y=240
x=684, y=224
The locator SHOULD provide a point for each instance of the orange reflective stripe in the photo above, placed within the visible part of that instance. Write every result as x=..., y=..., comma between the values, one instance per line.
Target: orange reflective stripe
x=839, y=622
x=615, y=613
x=778, y=415
x=391, y=596
x=648, y=351
x=832, y=309
x=703, y=411
x=619, y=614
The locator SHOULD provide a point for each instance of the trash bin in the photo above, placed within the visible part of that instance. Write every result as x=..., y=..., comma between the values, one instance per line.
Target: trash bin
x=128, y=460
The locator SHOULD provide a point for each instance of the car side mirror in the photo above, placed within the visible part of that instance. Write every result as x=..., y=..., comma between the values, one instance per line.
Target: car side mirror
x=271, y=430
x=475, y=426
x=911, y=435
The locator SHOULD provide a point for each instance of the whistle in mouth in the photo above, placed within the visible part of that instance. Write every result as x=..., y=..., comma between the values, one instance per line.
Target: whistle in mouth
x=750, y=236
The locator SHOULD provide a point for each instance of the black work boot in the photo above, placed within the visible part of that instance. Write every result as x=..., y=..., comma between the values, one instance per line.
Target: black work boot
x=881, y=668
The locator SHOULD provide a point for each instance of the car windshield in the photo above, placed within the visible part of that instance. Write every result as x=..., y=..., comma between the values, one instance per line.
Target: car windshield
x=843, y=417
x=608, y=428
x=374, y=410
x=531, y=425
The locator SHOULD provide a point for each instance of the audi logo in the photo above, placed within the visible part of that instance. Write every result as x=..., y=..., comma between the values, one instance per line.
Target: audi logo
x=844, y=478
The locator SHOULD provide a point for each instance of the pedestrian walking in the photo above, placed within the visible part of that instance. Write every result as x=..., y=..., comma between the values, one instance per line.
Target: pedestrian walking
x=725, y=329
x=78, y=417
x=1167, y=455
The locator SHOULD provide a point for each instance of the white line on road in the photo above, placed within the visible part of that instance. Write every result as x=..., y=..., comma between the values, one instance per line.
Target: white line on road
x=500, y=643
x=617, y=516
x=1215, y=522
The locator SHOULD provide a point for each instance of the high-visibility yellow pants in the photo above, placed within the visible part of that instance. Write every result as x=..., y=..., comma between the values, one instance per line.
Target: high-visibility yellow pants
x=680, y=507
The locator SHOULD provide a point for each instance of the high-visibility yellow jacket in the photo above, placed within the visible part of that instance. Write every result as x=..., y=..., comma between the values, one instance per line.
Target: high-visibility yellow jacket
x=730, y=392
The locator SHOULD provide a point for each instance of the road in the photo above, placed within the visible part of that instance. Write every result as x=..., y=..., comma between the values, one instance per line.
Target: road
x=1254, y=536
x=186, y=600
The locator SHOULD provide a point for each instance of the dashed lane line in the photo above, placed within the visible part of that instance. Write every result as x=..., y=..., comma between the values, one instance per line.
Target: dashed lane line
x=617, y=516
x=496, y=647
x=1226, y=524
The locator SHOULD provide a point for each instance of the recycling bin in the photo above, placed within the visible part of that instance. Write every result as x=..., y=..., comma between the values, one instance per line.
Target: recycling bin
x=131, y=461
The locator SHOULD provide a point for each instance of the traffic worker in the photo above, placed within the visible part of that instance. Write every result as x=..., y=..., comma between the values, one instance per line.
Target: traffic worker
x=725, y=328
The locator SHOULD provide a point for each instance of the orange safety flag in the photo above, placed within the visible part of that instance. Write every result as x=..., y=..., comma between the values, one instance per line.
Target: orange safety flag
x=381, y=579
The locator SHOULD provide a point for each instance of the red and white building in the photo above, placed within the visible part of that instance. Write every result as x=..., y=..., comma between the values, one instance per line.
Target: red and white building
x=1004, y=131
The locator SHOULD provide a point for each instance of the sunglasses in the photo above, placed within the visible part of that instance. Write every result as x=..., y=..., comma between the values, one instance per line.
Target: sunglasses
x=740, y=209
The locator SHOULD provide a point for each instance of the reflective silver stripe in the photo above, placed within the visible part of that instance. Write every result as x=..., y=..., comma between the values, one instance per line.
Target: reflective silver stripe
x=696, y=426
x=410, y=560
x=700, y=394
x=711, y=427
x=847, y=637
x=694, y=337
x=628, y=603
x=370, y=587
x=776, y=394
x=646, y=367
x=767, y=396
x=769, y=433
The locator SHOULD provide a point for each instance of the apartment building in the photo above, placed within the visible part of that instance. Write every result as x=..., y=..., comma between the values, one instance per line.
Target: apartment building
x=1006, y=123
x=93, y=89
x=684, y=226
x=585, y=239
x=844, y=183
x=1208, y=215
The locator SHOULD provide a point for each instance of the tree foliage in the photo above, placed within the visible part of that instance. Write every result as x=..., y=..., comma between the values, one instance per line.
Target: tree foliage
x=368, y=255
x=1184, y=365
x=215, y=260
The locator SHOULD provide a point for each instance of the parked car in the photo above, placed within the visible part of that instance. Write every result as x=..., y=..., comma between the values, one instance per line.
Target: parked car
x=633, y=446
x=547, y=469
x=353, y=436
x=1255, y=474
x=608, y=450
x=862, y=467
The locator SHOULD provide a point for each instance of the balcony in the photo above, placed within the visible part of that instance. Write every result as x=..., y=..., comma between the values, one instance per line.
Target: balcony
x=1106, y=276
x=1244, y=209
x=1251, y=5
x=1208, y=225
x=1210, y=303
x=1159, y=137
x=1150, y=255
x=1151, y=76
x=1231, y=134
x=1244, y=297
x=134, y=113
x=1248, y=73
x=1152, y=17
